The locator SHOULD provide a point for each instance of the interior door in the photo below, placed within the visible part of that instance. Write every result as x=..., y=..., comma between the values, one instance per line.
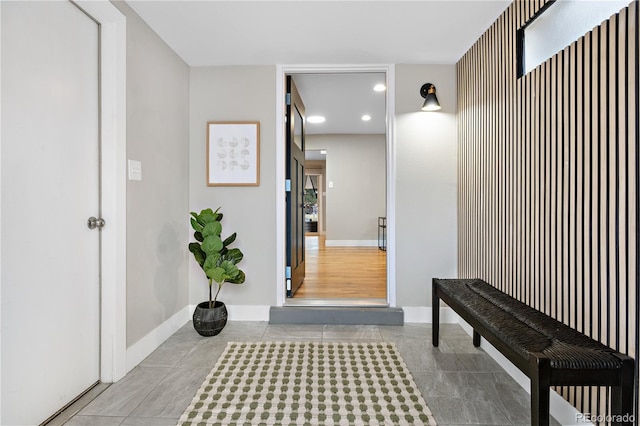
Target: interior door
x=295, y=176
x=50, y=187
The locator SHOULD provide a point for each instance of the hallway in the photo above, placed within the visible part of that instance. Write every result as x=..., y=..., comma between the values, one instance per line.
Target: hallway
x=461, y=384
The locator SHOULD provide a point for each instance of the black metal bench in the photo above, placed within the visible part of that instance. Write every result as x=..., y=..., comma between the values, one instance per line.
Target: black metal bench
x=549, y=352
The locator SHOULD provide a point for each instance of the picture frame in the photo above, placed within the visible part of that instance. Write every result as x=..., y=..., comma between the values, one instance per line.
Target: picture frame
x=233, y=153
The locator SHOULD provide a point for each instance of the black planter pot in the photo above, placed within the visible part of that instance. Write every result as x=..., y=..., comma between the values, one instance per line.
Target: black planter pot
x=209, y=321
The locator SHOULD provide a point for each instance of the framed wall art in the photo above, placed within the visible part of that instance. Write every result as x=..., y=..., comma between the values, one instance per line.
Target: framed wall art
x=233, y=153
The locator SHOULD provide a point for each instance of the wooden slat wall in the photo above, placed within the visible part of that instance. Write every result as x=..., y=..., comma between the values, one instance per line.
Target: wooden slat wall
x=548, y=178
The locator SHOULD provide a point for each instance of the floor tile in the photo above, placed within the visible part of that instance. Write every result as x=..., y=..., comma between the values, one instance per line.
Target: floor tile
x=244, y=330
x=514, y=400
x=172, y=396
x=351, y=332
x=460, y=346
x=461, y=384
x=283, y=332
x=150, y=421
x=204, y=354
x=95, y=421
x=169, y=353
x=421, y=356
x=453, y=331
x=479, y=362
x=391, y=333
x=449, y=411
x=121, y=398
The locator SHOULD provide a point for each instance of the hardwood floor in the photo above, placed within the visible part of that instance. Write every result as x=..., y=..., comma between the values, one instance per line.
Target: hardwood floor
x=343, y=272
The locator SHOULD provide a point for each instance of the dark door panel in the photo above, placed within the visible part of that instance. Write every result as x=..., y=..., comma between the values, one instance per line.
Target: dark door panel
x=295, y=188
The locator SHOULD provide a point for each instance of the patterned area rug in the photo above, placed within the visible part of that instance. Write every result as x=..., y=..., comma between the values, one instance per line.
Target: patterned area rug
x=309, y=383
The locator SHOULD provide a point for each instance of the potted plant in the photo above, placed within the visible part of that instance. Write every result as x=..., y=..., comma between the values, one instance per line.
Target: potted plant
x=218, y=262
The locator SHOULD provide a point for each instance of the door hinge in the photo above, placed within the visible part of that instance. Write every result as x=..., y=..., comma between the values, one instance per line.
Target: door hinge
x=288, y=99
x=287, y=185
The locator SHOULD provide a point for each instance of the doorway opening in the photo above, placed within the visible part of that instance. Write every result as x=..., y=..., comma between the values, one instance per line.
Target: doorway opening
x=349, y=176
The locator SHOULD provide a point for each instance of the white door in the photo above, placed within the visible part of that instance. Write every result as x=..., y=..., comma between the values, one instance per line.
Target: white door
x=50, y=187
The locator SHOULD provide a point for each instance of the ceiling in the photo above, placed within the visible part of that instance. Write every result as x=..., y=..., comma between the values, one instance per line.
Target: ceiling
x=327, y=32
x=324, y=95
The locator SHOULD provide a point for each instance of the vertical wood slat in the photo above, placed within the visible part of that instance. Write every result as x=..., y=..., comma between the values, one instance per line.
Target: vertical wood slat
x=633, y=54
x=548, y=178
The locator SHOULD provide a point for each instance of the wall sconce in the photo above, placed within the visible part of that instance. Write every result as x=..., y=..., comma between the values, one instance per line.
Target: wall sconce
x=428, y=92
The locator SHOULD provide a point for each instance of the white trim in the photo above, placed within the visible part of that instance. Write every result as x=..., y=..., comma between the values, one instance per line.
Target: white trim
x=280, y=188
x=351, y=243
x=113, y=352
x=391, y=186
x=248, y=312
x=0, y=212
x=281, y=72
x=423, y=314
x=565, y=413
x=137, y=352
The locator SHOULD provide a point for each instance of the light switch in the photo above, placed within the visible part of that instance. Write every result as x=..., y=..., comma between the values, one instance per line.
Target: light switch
x=330, y=184
x=135, y=170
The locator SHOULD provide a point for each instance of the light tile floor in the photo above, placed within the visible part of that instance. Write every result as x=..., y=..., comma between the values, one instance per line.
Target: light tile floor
x=461, y=384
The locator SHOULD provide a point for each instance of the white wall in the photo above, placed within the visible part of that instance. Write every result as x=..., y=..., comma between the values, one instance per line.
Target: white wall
x=157, y=206
x=243, y=93
x=0, y=219
x=356, y=165
x=426, y=183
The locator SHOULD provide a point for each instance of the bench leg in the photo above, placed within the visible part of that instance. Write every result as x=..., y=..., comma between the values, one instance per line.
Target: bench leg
x=622, y=396
x=476, y=338
x=540, y=373
x=435, y=316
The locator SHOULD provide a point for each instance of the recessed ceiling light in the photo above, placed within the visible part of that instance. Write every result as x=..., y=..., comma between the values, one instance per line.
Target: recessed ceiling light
x=316, y=119
x=366, y=117
x=380, y=87
x=323, y=151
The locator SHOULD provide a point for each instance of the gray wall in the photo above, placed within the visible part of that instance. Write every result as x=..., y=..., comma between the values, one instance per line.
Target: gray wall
x=356, y=164
x=242, y=93
x=157, y=206
x=425, y=186
x=426, y=182
x=317, y=167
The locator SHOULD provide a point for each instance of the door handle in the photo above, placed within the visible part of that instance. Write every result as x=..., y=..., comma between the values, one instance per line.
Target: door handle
x=94, y=223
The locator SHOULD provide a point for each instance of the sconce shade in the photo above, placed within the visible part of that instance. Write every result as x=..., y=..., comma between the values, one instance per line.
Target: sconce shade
x=428, y=92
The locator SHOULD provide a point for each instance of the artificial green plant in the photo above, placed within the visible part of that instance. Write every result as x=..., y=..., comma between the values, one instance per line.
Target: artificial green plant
x=213, y=254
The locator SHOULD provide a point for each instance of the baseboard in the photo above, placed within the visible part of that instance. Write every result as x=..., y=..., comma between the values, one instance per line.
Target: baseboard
x=351, y=243
x=423, y=314
x=565, y=413
x=137, y=352
x=248, y=312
